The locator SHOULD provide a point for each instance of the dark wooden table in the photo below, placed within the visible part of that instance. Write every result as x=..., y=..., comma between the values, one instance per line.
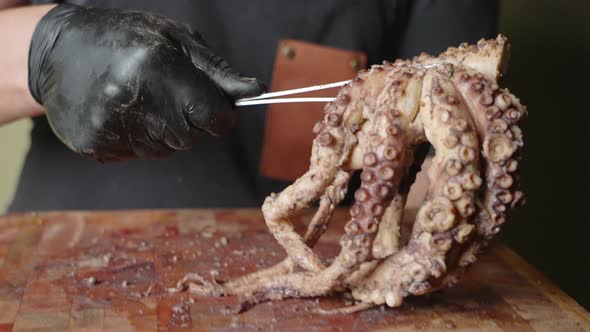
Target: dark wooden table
x=107, y=271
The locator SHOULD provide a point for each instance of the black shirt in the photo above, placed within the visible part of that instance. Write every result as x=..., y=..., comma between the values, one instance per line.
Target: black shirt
x=223, y=172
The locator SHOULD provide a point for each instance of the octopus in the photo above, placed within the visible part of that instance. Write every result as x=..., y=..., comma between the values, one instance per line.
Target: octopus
x=383, y=123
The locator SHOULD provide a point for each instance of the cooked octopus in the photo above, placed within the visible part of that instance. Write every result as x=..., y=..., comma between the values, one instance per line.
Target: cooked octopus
x=380, y=123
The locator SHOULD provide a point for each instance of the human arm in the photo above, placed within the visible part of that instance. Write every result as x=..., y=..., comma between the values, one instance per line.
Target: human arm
x=16, y=29
x=120, y=85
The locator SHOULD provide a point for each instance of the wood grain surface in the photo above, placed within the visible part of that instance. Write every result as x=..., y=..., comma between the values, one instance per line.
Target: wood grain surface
x=107, y=271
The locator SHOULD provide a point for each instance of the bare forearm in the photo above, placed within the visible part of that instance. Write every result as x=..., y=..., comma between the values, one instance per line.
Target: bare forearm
x=16, y=29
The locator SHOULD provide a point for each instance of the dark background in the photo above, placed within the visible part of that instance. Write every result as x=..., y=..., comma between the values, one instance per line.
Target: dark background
x=548, y=71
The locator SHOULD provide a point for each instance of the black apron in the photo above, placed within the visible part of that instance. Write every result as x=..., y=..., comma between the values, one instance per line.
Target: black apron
x=225, y=172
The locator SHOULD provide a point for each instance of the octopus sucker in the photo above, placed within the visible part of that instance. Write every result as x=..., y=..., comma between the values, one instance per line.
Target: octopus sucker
x=379, y=125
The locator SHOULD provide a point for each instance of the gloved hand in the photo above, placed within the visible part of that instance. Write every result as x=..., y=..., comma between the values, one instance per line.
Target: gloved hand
x=121, y=85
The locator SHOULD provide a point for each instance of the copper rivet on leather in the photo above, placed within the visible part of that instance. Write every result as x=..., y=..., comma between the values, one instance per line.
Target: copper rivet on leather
x=355, y=64
x=288, y=52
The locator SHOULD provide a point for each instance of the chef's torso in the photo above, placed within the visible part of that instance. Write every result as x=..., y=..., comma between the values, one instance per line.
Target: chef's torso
x=282, y=43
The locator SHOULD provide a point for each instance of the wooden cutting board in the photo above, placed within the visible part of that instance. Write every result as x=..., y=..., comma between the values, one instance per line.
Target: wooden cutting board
x=106, y=271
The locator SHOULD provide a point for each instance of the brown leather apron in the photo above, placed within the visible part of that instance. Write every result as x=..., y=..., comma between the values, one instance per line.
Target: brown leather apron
x=288, y=131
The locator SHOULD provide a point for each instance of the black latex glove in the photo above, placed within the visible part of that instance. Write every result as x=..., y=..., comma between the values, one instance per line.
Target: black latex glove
x=120, y=85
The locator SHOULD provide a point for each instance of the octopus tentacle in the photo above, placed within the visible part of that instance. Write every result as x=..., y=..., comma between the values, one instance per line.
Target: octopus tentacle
x=497, y=115
x=346, y=310
x=498, y=127
x=389, y=236
x=387, y=239
x=334, y=140
x=444, y=218
x=316, y=227
x=331, y=198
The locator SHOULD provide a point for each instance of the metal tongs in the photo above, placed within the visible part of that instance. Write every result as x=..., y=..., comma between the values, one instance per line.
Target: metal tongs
x=270, y=98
